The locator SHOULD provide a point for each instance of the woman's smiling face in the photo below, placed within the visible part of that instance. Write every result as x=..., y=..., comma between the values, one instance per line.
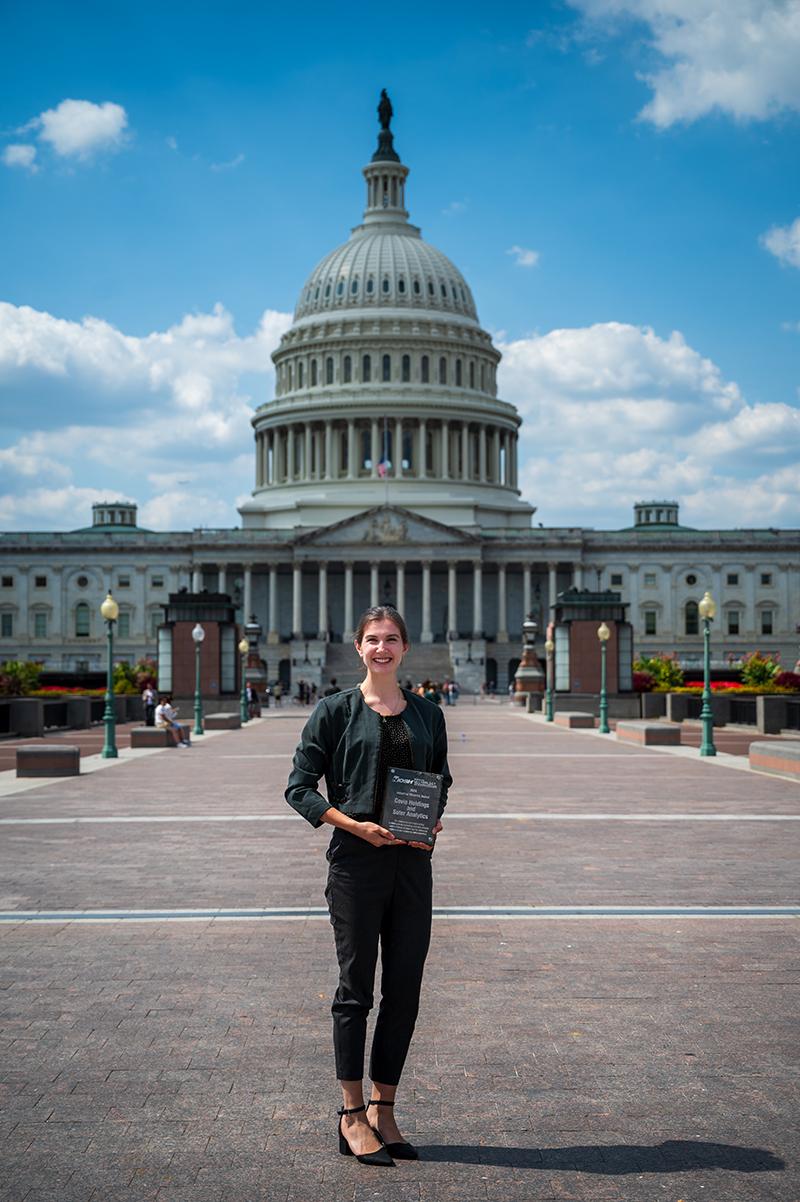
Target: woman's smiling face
x=382, y=647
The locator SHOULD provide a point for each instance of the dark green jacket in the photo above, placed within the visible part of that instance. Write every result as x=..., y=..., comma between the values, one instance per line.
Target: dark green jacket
x=340, y=742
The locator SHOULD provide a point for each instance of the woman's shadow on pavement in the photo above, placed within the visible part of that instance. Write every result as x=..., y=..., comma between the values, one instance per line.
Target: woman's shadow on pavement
x=671, y=1156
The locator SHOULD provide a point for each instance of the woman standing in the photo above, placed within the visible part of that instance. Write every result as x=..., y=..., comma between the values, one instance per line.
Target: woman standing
x=379, y=887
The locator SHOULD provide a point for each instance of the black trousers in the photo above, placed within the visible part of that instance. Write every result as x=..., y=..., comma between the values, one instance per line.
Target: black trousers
x=377, y=895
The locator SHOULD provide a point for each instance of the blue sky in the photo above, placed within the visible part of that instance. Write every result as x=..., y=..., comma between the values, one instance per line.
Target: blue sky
x=169, y=175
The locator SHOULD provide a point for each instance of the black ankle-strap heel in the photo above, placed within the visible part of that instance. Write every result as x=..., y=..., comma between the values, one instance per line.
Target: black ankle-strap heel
x=399, y=1150
x=381, y=1157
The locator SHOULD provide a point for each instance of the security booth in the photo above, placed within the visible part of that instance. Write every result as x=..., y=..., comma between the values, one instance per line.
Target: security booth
x=579, y=613
x=219, y=658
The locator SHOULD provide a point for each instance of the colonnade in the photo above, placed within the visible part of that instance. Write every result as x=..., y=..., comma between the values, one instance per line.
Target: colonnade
x=398, y=448
x=301, y=570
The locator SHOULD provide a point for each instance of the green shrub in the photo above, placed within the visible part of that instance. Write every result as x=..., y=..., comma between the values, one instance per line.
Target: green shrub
x=18, y=678
x=125, y=679
x=758, y=669
x=664, y=669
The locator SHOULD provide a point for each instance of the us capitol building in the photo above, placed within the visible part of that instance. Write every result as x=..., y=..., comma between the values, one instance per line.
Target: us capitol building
x=386, y=470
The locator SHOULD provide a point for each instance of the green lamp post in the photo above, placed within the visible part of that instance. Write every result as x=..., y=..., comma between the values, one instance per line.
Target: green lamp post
x=603, y=634
x=198, y=634
x=110, y=612
x=708, y=610
x=548, y=693
x=244, y=647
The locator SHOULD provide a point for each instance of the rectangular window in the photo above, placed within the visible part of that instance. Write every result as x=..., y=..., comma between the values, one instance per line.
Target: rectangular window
x=165, y=660
x=124, y=626
x=6, y=626
x=157, y=582
x=8, y=582
x=616, y=580
x=767, y=623
x=732, y=578
x=766, y=579
x=123, y=582
x=733, y=621
x=650, y=621
x=40, y=582
x=649, y=579
x=40, y=626
x=562, y=658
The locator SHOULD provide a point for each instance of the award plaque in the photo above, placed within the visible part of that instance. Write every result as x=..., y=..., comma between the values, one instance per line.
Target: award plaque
x=411, y=804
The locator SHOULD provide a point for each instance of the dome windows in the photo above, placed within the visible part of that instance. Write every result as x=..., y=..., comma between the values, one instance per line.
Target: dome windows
x=417, y=288
x=366, y=369
x=425, y=370
x=329, y=370
x=386, y=369
x=442, y=370
x=340, y=288
x=300, y=374
x=472, y=373
x=431, y=289
x=385, y=285
x=405, y=369
x=347, y=367
x=316, y=292
x=354, y=285
x=401, y=286
x=370, y=286
x=328, y=290
x=444, y=291
x=459, y=380
x=313, y=373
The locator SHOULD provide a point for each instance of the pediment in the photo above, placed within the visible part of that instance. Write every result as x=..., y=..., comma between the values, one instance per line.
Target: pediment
x=388, y=526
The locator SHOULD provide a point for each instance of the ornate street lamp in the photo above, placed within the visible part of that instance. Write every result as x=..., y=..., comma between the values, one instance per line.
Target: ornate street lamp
x=548, y=693
x=708, y=610
x=110, y=612
x=603, y=634
x=198, y=634
x=244, y=647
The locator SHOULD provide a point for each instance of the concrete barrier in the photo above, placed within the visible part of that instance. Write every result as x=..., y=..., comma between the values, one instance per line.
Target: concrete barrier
x=222, y=721
x=574, y=720
x=155, y=736
x=649, y=734
x=779, y=758
x=49, y=759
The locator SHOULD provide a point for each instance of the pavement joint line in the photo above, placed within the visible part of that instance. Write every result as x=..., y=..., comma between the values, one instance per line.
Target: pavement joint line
x=479, y=815
x=473, y=913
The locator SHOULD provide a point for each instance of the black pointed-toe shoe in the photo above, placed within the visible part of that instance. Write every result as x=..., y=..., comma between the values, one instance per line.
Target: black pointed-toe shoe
x=380, y=1157
x=400, y=1150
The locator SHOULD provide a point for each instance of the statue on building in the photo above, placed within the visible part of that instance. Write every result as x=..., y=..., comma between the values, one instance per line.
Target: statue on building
x=386, y=151
x=385, y=110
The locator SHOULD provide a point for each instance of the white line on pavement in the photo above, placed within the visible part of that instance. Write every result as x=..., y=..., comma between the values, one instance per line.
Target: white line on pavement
x=481, y=815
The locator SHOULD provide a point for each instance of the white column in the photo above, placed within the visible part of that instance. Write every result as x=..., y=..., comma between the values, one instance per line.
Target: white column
x=502, y=606
x=526, y=590
x=348, y=602
x=306, y=472
x=197, y=579
x=351, y=449
x=427, y=634
x=552, y=587
x=375, y=452
x=222, y=578
x=482, y=453
x=422, y=466
x=401, y=587
x=373, y=583
x=290, y=454
x=445, y=450
x=514, y=465
x=247, y=600
x=477, y=601
x=464, y=451
x=397, y=449
x=297, y=601
x=577, y=575
x=272, y=633
x=452, y=611
x=322, y=592
x=329, y=450
x=633, y=595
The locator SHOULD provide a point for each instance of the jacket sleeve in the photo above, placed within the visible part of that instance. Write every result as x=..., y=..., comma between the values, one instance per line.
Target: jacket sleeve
x=439, y=763
x=312, y=758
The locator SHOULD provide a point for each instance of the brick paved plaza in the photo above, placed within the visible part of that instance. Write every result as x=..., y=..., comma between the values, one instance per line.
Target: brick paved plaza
x=615, y=1054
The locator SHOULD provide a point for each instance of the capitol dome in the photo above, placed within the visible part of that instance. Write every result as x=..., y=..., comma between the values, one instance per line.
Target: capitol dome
x=386, y=384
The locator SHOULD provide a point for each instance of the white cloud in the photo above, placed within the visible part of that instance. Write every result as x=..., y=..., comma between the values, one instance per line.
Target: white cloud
x=152, y=412
x=524, y=257
x=79, y=128
x=171, y=142
x=737, y=57
x=783, y=241
x=231, y=165
x=614, y=413
x=20, y=155
x=455, y=207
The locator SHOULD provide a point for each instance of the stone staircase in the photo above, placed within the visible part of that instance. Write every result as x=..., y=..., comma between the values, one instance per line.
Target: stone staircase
x=424, y=661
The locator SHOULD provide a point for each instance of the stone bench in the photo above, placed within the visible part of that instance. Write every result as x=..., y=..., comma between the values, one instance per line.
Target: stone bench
x=49, y=759
x=222, y=722
x=649, y=734
x=156, y=736
x=574, y=720
x=779, y=757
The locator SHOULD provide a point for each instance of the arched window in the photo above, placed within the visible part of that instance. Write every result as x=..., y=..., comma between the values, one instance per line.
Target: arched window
x=386, y=368
x=406, y=369
x=483, y=377
x=401, y=285
x=442, y=370
x=313, y=373
x=472, y=373
x=426, y=370
x=348, y=369
x=354, y=285
x=300, y=374
x=328, y=290
x=289, y=376
x=444, y=291
x=82, y=620
x=370, y=286
x=417, y=288
x=458, y=373
x=329, y=370
x=385, y=284
x=431, y=289
x=366, y=369
x=316, y=293
x=691, y=615
x=340, y=288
